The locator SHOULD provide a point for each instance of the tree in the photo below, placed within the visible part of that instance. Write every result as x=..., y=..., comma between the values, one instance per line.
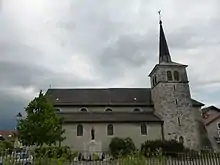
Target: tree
x=42, y=125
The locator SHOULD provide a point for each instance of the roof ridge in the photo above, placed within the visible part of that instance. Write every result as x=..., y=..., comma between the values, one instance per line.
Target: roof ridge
x=96, y=88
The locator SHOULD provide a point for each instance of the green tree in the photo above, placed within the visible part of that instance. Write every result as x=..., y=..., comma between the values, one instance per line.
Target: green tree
x=42, y=125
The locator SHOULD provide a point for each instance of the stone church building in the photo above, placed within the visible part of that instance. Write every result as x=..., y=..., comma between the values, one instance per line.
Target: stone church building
x=163, y=111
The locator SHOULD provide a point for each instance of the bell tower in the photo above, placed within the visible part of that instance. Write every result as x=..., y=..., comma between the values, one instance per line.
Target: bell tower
x=171, y=97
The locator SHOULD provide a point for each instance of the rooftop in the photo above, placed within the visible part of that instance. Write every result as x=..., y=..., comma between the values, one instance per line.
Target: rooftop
x=103, y=96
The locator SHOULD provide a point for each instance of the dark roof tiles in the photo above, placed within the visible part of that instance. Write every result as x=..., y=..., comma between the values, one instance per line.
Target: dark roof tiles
x=103, y=96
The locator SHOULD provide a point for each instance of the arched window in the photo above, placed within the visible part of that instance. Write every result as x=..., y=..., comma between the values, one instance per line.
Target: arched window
x=169, y=76
x=143, y=129
x=57, y=110
x=79, y=130
x=176, y=75
x=137, y=110
x=108, y=110
x=178, y=120
x=181, y=140
x=83, y=110
x=155, y=80
x=110, y=129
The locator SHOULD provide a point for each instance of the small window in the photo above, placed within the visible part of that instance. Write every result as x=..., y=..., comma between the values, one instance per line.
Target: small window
x=218, y=125
x=153, y=83
x=108, y=110
x=83, y=110
x=137, y=110
x=143, y=129
x=169, y=76
x=176, y=75
x=155, y=79
x=179, y=123
x=110, y=129
x=79, y=130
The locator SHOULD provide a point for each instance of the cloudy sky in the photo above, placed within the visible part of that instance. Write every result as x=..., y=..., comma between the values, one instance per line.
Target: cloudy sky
x=102, y=43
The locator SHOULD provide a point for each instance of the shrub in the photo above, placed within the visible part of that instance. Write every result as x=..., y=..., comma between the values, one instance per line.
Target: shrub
x=121, y=147
x=168, y=148
x=172, y=147
x=6, y=145
x=55, y=152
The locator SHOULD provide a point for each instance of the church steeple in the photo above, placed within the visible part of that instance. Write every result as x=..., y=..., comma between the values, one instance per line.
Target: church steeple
x=164, y=54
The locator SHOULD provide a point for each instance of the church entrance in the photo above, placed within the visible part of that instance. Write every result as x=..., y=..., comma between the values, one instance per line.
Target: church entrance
x=181, y=139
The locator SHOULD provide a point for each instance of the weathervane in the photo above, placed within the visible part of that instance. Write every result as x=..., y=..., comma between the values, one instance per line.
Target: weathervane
x=159, y=12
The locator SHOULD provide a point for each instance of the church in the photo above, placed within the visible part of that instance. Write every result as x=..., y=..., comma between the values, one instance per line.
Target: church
x=163, y=111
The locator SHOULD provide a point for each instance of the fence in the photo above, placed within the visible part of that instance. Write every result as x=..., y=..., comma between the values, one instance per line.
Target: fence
x=104, y=158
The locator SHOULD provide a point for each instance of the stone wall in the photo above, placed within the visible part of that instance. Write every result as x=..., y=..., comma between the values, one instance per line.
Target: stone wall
x=172, y=102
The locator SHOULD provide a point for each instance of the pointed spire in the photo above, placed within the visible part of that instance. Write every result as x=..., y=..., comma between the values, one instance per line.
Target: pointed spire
x=164, y=55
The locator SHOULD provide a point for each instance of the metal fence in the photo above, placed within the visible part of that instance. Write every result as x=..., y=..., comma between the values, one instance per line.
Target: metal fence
x=104, y=158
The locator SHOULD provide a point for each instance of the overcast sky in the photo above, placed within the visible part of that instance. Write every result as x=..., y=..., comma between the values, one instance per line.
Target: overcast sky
x=102, y=43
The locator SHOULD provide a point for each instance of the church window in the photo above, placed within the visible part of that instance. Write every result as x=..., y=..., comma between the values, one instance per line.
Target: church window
x=137, y=110
x=57, y=110
x=110, y=129
x=218, y=125
x=169, y=76
x=108, y=110
x=83, y=110
x=179, y=121
x=143, y=129
x=176, y=102
x=79, y=130
x=155, y=79
x=176, y=75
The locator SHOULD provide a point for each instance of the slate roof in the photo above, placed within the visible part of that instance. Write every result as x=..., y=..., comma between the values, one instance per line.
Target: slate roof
x=103, y=96
x=7, y=132
x=103, y=117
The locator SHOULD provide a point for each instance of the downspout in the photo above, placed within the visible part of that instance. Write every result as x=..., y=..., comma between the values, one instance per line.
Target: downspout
x=162, y=130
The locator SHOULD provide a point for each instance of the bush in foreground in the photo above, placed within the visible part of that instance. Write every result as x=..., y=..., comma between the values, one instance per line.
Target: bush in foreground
x=121, y=147
x=169, y=148
x=55, y=152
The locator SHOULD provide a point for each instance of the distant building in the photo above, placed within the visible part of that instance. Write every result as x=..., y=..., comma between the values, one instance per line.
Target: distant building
x=7, y=135
x=211, y=117
x=163, y=111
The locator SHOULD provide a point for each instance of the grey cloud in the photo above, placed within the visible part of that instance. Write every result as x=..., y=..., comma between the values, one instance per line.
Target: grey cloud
x=195, y=35
x=26, y=75
x=21, y=74
x=10, y=106
x=128, y=52
x=18, y=52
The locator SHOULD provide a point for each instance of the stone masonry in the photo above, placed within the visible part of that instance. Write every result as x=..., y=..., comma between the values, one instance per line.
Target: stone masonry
x=172, y=102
